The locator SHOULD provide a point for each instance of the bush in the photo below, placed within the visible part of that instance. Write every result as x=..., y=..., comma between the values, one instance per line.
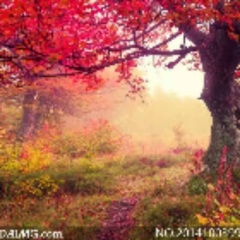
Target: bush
x=167, y=214
x=6, y=183
x=197, y=185
x=98, y=138
x=32, y=186
x=86, y=185
x=84, y=178
x=30, y=157
x=222, y=198
x=22, y=168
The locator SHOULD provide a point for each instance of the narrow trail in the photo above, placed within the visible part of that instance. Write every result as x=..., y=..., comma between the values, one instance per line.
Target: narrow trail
x=119, y=220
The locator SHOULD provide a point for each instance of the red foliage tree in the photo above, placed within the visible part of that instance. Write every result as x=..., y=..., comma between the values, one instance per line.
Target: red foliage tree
x=40, y=39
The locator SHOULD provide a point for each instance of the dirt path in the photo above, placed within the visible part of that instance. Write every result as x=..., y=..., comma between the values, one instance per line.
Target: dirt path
x=119, y=220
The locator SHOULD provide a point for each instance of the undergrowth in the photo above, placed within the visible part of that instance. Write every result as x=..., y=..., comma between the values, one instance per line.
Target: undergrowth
x=68, y=182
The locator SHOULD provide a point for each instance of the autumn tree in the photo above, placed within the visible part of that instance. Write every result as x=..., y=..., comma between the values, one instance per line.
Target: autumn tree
x=49, y=39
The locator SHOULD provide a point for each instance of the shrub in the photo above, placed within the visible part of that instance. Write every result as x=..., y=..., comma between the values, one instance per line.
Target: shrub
x=32, y=186
x=169, y=214
x=6, y=183
x=29, y=157
x=84, y=178
x=90, y=184
x=34, y=158
x=98, y=138
x=20, y=164
x=222, y=199
x=165, y=214
x=197, y=185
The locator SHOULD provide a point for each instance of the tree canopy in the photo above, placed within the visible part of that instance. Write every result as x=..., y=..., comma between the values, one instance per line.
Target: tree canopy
x=44, y=39
x=52, y=38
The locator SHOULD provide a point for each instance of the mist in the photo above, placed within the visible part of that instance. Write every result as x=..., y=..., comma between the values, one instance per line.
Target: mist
x=149, y=121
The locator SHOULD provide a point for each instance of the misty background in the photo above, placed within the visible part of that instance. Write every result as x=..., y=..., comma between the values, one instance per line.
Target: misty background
x=151, y=121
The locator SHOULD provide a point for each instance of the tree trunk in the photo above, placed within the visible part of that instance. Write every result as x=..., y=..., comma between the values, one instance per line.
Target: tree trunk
x=221, y=95
x=38, y=107
x=28, y=123
x=224, y=133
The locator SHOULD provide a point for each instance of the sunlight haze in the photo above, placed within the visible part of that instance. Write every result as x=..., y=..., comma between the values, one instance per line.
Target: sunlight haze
x=179, y=80
x=170, y=102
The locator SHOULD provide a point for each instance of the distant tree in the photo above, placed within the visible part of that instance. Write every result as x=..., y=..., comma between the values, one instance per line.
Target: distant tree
x=40, y=107
x=45, y=39
x=35, y=107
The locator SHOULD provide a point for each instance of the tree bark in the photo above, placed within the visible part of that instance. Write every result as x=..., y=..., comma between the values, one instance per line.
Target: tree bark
x=223, y=134
x=39, y=107
x=221, y=95
x=28, y=123
x=225, y=130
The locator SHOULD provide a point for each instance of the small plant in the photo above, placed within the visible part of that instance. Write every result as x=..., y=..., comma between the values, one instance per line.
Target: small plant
x=222, y=199
x=197, y=185
x=41, y=186
x=197, y=162
x=180, y=139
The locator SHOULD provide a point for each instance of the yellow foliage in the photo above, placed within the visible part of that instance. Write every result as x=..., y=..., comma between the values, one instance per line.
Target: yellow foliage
x=34, y=159
x=202, y=220
x=224, y=209
x=222, y=213
x=36, y=187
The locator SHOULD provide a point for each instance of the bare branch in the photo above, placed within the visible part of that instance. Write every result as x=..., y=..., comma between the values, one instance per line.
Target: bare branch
x=172, y=37
x=176, y=61
x=153, y=51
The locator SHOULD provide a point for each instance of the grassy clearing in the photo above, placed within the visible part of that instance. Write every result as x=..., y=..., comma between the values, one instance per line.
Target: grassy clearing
x=85, y=188
x=74, y=194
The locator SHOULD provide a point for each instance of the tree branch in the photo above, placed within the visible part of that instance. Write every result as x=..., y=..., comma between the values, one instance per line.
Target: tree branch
x=195, y=36
x=172, y=64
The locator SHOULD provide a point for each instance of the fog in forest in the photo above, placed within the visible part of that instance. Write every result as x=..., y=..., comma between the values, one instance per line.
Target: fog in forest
x=150, y=121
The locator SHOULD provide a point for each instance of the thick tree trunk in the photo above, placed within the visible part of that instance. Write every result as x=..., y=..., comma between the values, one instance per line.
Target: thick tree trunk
x=221, y=95
x=224, y=133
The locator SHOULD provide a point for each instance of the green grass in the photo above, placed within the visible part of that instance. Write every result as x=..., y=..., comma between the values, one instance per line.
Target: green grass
x=86, y=188
x=167, y=211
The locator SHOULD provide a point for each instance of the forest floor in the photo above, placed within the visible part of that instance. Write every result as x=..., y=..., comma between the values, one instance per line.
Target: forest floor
x=156, y=175
x=110, y=198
